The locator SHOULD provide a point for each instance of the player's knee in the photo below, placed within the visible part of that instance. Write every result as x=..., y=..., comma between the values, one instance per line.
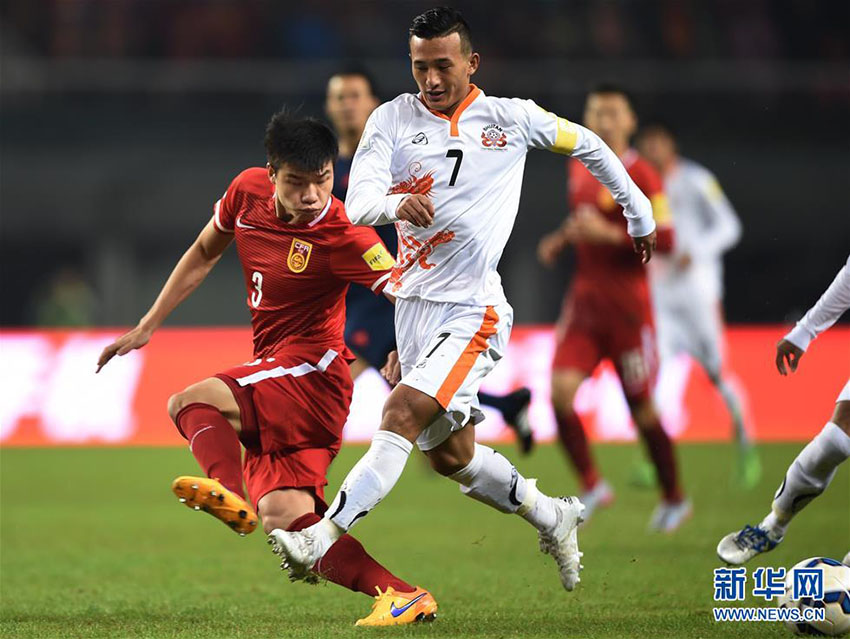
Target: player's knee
x=564, y=389
x=200, y=393
x=841, y=416
x=176, y=403
x=408, y=412
x=280, y=508
x=644, y=414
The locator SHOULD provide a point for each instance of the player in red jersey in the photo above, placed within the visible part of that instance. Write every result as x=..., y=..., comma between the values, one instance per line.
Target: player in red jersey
x=299, y=252
x=608, y=312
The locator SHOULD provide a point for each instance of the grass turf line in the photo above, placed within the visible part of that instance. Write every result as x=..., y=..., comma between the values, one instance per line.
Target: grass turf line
x=93, y=544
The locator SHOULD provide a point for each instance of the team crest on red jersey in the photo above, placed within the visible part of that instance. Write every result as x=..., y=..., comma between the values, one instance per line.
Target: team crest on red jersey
x=299, y=255
x=494, y=137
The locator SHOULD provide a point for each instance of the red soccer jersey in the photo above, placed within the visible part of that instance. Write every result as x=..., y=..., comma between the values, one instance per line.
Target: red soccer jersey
x=607, y=269
x=297, y=275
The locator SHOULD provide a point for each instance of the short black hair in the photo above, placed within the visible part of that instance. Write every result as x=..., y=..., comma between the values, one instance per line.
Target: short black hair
x=611, y=88
x=306, y=143
x=440, y=22
x=657, y=125
x=360, y=72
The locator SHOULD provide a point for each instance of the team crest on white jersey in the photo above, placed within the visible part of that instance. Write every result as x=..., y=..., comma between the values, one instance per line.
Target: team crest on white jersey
x=494, y=137
x=299, y=255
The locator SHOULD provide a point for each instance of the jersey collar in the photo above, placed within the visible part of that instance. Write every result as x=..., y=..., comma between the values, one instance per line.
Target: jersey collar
x=321, y=215
x=454, y=131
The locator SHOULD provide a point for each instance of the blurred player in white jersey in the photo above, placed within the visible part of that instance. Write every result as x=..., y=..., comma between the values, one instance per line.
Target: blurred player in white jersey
x=445, y=165
x=687, y=285
x=813, y=469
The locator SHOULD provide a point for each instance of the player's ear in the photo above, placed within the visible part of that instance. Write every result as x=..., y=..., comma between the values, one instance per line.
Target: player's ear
x=474, y=61
x=271, y=171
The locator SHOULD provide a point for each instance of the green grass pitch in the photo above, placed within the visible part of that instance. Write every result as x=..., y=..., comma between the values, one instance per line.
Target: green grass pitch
x=95, y=545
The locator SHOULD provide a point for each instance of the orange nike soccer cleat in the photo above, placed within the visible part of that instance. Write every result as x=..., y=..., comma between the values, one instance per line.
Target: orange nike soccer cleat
x=209, y=495
x=393, y=608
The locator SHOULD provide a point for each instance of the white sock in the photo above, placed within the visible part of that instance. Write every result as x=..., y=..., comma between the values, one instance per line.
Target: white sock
x=733, y=405
x=491, y=479
x=371, y=479
x=807, y=477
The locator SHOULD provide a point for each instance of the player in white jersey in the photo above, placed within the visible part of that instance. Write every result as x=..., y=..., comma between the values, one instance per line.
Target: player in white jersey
x=813, y=469
x=687, y=285
x=446, y=167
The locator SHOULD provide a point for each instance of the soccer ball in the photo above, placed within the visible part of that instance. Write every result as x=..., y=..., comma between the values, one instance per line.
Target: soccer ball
x=836, y=598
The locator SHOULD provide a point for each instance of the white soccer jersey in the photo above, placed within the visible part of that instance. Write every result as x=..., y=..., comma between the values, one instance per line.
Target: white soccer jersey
x=831, y=305
x=706, y=226
x=471, y=166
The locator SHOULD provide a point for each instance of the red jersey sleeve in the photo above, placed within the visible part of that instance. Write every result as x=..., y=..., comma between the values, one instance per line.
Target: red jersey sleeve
x=362, y=258
x=226, y=208
x=649, y=181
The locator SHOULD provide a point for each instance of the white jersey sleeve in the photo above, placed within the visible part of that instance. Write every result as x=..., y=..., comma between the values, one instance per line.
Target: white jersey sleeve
x=367, y=201
x=548, y=131
x=722, y=228
x=825, y=312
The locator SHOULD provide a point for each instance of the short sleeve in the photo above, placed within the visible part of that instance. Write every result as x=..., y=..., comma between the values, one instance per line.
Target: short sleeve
x=545, y=130
x=363, y=259
x=224, y=210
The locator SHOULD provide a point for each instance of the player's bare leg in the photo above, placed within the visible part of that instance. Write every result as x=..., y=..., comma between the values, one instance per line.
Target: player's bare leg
x=207, y=415
x=484, y=475
x=807, y=477
x=596, y=491
x=674, y=509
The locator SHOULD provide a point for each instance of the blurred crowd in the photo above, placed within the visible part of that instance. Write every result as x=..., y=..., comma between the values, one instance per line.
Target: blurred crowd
x=666, y=29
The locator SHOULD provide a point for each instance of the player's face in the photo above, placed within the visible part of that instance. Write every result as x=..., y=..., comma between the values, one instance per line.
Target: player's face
x=442, y=71
x=302, y=194
x=349, y=102
x=611, y=118
x=657, y=147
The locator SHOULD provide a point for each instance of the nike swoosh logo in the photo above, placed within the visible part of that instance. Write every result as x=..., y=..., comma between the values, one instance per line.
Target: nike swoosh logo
x=243, y=226
x=512, y=495
x=395, y=612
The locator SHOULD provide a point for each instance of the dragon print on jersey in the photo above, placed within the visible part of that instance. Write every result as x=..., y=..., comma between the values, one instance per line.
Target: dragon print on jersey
x=410, y=250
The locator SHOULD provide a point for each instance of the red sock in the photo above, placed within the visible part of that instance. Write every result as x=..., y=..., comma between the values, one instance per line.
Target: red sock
x=660, y=449
x=574, y=439
x=348, y=564
x=213, y=442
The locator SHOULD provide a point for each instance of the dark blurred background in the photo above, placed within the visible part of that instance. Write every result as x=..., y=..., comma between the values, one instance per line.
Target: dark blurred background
x=124, y=120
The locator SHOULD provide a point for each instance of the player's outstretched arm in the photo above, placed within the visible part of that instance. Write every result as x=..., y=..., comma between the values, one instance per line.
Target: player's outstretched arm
x=548, y=131
x=190, y=271
x=831, y=305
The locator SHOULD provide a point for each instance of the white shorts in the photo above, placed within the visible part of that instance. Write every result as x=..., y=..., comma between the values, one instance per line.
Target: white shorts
x=844, y=395
x=445, y=350
x=689, y=321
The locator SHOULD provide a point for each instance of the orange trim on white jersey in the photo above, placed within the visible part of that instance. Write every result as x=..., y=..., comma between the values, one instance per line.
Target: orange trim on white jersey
x=476, y=346
x=474, y=92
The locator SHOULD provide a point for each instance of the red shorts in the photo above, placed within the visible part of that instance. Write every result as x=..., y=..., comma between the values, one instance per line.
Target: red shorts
x=293, y=407
x=591, y=329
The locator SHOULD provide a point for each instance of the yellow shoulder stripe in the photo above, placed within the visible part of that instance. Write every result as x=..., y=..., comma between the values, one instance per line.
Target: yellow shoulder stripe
x=661, y=210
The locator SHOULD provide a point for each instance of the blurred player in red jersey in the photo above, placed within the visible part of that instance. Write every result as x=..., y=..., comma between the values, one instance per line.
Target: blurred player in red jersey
x=299, y=252
x=608, y=311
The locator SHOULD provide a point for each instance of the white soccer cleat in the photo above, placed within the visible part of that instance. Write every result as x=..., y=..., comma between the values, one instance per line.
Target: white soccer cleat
x=562, y=541
x=739, y=547
x=600, y=496
x=300, y=550
x=667, y=517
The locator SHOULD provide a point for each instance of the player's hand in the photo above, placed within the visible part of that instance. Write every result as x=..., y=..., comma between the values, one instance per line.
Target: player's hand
x=392, y=369
x=645, y=246
x=550, y=247
x=787, y=352
x=136, y=338
x=416, y=209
